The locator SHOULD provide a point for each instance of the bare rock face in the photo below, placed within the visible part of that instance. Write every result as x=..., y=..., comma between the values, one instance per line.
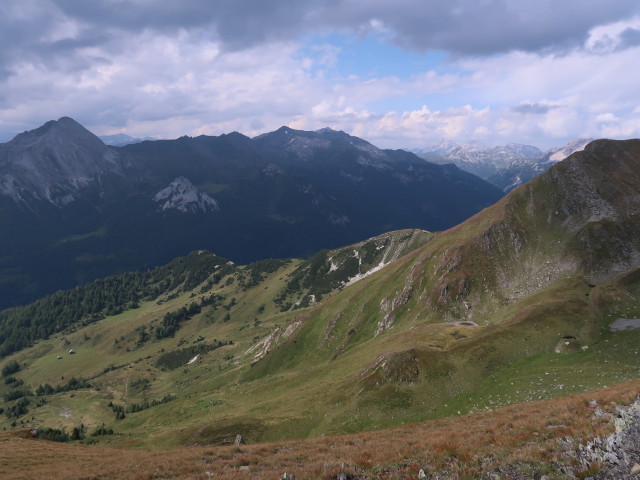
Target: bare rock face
x=596, y=196
x=619, y=453
x=581, y=216
x=54, y=162
x=558, y=154
x=182, y=196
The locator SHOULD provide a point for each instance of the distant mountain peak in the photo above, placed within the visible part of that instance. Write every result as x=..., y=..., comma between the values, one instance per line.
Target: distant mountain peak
x=557, y=154
x=183, y=196
x=53, y=162
x=122, y=139
x=506, y=166
x=326, y=130
x=314, y=145
x=475, y=153
x=64, y=128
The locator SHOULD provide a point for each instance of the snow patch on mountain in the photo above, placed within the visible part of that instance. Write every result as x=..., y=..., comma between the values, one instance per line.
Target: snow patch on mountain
x=181, y=195
x=558, y=154
x=122, y=139
x=494, y=157
x=388, y=252
x=507, y=166
x=305, y=147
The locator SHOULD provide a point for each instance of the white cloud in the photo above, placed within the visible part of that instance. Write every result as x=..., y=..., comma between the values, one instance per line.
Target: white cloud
x=163, y=79
x=605, y=39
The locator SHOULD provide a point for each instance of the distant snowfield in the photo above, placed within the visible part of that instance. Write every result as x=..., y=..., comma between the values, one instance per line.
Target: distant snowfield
x=360, y=276
x=624, y=324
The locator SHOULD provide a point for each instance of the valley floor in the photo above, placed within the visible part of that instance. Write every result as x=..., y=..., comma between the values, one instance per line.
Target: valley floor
x=530, y=440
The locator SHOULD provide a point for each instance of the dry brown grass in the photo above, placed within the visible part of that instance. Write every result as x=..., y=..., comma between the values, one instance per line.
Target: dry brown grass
x=465, y=446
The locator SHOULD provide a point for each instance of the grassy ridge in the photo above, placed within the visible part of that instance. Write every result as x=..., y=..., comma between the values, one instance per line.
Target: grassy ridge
x=506, y=307
x=326, y=378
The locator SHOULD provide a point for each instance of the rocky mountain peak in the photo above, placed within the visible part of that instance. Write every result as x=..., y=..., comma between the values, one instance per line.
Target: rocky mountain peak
x=557, y=154
x=183, y=196
x=53, y=162
x=326, y=130
x=56, y=133
x=313, y=145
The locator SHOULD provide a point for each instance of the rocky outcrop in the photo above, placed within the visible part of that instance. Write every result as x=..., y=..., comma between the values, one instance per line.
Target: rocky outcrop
x=595, y=195
x=333, y=270
x=388, y=306
x=182, y=196
x=278, y=335
x=581, y=217
x=619, y=453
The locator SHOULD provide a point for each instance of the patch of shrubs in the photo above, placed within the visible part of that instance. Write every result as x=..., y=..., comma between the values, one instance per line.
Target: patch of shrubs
x=255, y=272
x=53, y=435
x=121, y=410
x=13, y=381
x=113, y=367
x=73, y=384
x=102, y=430
x=10, y=368
x=178, y=358
x=16, y=394
x=56, y=435
x=172, y=321
x=118, y=410
x=138, y=407
x=18, y=409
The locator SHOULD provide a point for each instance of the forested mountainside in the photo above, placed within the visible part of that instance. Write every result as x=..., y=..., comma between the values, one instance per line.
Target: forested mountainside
x=74, y=209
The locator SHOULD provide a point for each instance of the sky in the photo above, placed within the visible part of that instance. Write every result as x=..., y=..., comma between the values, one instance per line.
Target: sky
x=400, y=74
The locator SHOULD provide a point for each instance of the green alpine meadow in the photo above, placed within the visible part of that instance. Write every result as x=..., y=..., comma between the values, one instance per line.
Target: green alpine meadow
x=536, y=298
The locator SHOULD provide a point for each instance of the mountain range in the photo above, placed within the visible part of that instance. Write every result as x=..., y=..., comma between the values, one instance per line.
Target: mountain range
x=533, y=298
x=75, y=209
x=122, y=139
x=507, y=166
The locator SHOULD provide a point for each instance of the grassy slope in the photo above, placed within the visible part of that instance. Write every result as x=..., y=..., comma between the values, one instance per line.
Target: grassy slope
x=390, y=349
x=327, y=380
x=520, y=439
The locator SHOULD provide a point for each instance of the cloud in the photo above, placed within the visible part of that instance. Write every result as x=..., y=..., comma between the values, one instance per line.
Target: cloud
x=463, y=27
x=612, y=37
x=156, y=68
x=537, y=108
x=471, y=27
x=629, y=38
